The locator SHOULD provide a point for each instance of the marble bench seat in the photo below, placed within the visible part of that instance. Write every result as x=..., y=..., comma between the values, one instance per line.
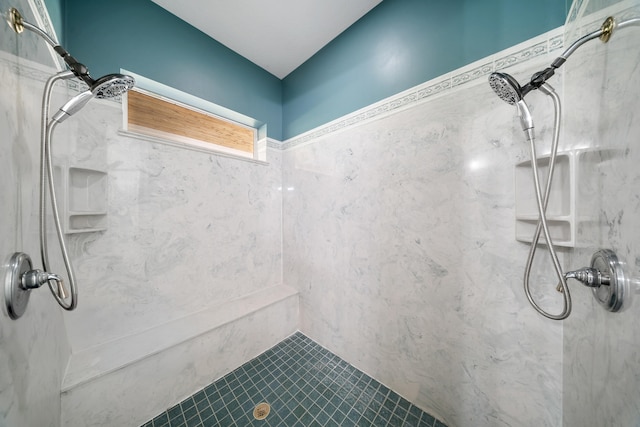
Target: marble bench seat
x=130, y=379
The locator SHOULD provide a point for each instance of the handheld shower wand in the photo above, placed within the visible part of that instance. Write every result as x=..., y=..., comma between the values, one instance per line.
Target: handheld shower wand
x=108, y=86
x=509, y=90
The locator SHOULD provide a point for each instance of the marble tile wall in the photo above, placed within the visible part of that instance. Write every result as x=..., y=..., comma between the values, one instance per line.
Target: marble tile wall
x=399, y=234
x=602, y=114
x=186, y=231
x=33, y=349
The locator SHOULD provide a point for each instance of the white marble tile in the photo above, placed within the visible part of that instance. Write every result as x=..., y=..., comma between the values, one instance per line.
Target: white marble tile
x=186, y=231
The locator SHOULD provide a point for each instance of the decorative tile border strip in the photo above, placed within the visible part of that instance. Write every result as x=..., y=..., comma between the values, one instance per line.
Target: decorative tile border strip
x=536, y=48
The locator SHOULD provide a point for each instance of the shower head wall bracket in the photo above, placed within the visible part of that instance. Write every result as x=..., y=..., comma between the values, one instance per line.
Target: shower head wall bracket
x=607, y=29
x=14, y=19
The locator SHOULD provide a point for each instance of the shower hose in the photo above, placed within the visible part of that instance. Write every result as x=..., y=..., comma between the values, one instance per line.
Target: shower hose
x=46, y=174
x=542, y=225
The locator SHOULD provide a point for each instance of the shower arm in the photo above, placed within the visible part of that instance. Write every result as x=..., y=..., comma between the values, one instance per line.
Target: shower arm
x=604, y=33
x=18, y=24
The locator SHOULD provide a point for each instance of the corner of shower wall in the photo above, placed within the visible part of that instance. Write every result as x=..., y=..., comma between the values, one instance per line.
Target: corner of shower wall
x=601, y=93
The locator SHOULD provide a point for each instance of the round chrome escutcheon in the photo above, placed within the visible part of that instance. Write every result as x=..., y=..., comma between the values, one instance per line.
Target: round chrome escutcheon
x=15, y=296
x=610, y=296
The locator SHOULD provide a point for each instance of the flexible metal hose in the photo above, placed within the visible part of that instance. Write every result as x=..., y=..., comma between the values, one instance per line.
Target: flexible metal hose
x=56, y=219
x=542, y=207
x=46, y=174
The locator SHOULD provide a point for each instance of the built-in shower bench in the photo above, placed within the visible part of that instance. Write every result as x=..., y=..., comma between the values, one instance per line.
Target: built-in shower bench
x=134, y=377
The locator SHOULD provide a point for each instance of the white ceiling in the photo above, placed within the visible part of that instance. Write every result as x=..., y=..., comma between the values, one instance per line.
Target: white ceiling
x=277, y=35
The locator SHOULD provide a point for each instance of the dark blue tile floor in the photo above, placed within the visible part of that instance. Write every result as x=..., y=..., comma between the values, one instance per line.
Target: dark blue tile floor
x=305, y=386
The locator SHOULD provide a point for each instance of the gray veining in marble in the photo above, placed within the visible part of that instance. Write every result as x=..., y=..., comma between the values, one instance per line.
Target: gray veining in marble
x=186, y=231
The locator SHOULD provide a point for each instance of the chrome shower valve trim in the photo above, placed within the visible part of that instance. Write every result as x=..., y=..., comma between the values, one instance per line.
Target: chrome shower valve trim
x=21, y=278
x=607, y=279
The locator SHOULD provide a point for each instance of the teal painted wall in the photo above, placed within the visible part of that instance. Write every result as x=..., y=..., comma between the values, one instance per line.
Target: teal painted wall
x=402, y=43
x=140, y=36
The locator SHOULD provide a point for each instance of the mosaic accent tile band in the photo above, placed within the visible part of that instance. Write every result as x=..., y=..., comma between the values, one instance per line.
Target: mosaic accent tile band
x=304, y=385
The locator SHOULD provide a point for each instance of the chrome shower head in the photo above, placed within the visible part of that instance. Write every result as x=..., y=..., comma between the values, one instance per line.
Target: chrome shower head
x=112, y=85
x=506, y=87
x=108, y=86
x=509, y=90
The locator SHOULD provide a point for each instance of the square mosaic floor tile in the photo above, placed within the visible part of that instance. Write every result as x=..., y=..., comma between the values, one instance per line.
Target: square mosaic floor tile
x=302, y=385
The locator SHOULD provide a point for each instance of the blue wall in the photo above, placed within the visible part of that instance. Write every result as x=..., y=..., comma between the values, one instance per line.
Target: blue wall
x=142, y=37
x=398, y=45
x=402, y=43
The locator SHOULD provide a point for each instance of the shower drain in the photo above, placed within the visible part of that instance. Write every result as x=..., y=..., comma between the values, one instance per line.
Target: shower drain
x=261, y=411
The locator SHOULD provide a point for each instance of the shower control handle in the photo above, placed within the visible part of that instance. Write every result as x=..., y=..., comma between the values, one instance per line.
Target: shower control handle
x=606, y=278
x=21, y=278
x=33, y=279
x=588, y=276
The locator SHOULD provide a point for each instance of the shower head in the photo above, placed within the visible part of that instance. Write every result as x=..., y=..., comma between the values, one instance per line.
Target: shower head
x=112, y=85
x=108, y=86
x=506, y=87
x=509, y=90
